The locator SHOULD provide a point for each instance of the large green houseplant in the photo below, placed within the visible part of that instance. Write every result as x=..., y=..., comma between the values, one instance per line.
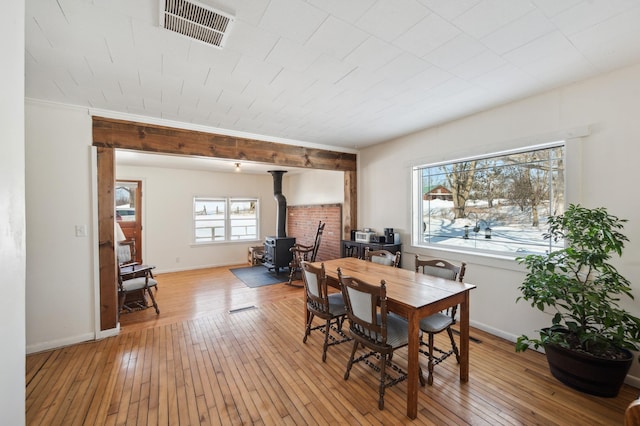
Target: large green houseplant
x=582, y=290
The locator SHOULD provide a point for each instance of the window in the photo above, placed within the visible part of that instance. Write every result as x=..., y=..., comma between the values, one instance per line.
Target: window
x=495, y=204
x=225, y=219
x=127, y=198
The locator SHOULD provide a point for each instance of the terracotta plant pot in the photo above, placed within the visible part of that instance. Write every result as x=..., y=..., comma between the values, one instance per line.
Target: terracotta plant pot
x=587, y=373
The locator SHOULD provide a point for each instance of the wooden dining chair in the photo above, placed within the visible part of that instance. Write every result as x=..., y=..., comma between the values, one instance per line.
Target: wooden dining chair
x=382, y=257
x=137, y=281
x=371, y=326
x=440, y=321
x=321, y=304
x=303, y=252
x=126, y=255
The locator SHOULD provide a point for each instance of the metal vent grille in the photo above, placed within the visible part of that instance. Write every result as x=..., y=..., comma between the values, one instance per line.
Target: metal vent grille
x=195, y=21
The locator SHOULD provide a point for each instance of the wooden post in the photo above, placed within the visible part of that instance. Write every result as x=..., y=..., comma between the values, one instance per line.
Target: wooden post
x=350, y=208
x=106, y=246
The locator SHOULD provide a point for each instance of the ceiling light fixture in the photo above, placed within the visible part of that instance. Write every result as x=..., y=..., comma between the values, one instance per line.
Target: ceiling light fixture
x=237, y=167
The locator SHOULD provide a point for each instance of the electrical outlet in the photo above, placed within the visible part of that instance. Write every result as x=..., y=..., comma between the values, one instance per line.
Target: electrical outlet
x=177, y=260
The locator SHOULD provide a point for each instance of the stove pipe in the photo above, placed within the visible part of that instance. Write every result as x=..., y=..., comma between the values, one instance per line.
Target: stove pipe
x=281, y=211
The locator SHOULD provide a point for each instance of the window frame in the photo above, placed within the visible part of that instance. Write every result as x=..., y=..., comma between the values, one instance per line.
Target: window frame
x=417, y=233
x=227, y=220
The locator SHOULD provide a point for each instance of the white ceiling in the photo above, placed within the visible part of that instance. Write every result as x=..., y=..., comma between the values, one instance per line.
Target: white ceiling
x=207, y=164
x=337, y=73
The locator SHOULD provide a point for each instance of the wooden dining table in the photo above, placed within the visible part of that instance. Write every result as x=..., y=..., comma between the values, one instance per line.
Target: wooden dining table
x=414, y=296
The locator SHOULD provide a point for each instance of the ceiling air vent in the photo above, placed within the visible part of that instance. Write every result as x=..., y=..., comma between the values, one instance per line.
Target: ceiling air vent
x=196, y=21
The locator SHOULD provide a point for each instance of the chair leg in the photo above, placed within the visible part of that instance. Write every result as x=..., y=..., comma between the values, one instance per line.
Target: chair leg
x=383, y=365
x=430, y=365
x=307, y=331
x=327, y=328
x=292, y=270
x=153, y=300
x=339, y=322
x=156, y=286
x=454, y=347
x=350, y=363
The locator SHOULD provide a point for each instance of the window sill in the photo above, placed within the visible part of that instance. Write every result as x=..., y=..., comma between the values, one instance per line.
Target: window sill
x=493, y=260
x=218, y=243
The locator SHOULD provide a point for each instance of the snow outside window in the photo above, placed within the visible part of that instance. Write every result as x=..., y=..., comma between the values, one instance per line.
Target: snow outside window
x=497, y=203
x=225, y=219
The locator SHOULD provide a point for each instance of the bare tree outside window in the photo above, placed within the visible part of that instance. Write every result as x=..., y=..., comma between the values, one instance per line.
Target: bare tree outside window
x=460, y=178
x=496, y=203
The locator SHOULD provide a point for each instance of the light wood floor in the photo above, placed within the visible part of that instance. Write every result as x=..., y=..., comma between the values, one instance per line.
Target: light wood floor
x=197, y=363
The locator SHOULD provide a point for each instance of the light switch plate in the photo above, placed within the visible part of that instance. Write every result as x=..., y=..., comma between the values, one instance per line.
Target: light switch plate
x=81, y=230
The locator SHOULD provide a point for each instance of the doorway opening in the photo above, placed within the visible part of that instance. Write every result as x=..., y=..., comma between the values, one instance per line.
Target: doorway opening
x=128, y=202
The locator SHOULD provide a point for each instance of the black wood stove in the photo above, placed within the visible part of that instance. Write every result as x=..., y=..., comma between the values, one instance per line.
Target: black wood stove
x=276, y=248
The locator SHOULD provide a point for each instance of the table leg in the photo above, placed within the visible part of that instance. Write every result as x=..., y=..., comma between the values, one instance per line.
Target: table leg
x=414, y=366
x=464, y=338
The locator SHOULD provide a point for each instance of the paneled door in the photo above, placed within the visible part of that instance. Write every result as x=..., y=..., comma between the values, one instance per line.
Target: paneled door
x=128, y=195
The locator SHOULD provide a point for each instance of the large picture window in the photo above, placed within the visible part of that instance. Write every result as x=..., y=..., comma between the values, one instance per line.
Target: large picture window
x=497, y=203
x=225, y=219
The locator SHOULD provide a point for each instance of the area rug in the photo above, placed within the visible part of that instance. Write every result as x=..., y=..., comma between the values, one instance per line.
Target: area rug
x=258, y=276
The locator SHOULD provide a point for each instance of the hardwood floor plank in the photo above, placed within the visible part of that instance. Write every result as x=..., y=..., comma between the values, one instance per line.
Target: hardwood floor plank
x=202, y=376
x=100, y=380
x=215, y=373
x=121, y=401
x=38, y=378
x=88, y=376
x=186, y=397
x=33, y=369
x=198, y=364
x=244, y=369
x=230, y=387
x=144, y=376
x=56, y=407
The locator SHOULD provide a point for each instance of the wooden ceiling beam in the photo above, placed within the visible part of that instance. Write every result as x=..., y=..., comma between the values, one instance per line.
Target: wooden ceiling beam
x=121, y=134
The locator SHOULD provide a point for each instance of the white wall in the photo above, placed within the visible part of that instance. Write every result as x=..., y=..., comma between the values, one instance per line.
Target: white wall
x=12, y=215
x=168, y=211
x=59, y=296
x=314, y=187
x=607, y=159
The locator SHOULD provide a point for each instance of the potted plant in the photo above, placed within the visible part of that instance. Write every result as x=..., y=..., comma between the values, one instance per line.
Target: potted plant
x=589, y=341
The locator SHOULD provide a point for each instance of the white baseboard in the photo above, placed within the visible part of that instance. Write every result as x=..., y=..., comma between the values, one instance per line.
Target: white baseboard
x=55, y=344
x=60, y=343
x=103, y=334
x=630, y=380
x=193, y=268
x=494, y=331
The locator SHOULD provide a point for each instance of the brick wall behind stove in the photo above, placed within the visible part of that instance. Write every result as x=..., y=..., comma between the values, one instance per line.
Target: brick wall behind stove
x=302, y=223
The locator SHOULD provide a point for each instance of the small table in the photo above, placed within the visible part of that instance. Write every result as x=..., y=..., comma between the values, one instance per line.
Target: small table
x=413, y=296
